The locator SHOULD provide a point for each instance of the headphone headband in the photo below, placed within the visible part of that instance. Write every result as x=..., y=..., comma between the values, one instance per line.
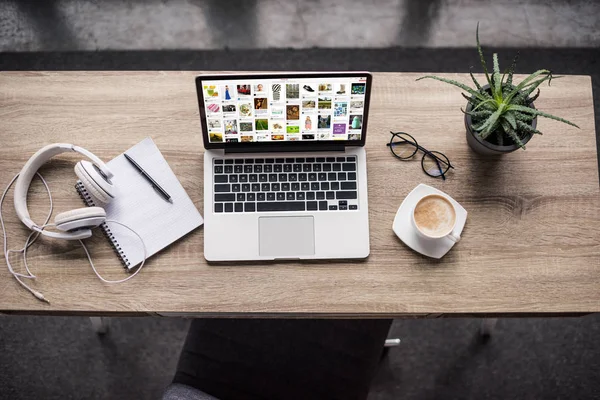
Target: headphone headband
x=29, y=170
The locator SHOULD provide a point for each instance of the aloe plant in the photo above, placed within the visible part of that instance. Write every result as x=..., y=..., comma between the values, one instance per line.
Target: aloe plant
x=503, y=108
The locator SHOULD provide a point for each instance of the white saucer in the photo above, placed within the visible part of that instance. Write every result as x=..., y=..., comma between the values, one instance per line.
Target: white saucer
x=403, y=226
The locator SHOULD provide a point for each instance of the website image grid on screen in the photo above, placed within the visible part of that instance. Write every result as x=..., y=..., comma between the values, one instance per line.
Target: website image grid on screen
x=286, y=108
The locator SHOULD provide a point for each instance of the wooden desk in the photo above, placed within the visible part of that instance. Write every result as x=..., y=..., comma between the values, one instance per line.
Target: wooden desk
x=531, y=243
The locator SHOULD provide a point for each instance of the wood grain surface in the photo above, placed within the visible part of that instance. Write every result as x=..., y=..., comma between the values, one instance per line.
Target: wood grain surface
x=531, y=243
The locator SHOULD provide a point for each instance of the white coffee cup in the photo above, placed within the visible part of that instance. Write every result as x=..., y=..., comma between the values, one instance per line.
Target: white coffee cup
x=434, y=217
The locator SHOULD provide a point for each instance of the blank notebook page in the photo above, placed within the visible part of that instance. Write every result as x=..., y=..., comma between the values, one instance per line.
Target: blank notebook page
x=138, y=205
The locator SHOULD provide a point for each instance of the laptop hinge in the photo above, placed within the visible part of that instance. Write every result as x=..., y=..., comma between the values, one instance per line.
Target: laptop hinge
x=285, y=149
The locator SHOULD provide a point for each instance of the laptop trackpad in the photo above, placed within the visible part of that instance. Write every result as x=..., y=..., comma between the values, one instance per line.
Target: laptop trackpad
x=286, y=237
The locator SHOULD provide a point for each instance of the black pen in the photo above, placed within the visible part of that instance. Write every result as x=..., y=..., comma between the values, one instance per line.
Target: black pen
x=149, y=179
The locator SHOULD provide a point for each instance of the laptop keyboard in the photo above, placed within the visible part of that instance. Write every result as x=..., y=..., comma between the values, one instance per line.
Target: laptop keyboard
x=285, y=184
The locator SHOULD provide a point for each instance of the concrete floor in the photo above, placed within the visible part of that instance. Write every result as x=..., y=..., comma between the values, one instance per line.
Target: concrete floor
x=63, y=25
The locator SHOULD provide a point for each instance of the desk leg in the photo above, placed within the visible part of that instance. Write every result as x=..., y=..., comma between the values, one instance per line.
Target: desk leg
x=487, y=326
x=100, y=324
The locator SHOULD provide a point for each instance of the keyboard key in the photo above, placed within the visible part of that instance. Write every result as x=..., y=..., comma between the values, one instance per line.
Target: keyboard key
x=225, y=197
x=324, y=185
x=290, y=196
x=279, y=160
x=243, y=178
x=258, y=169
x=272, y=177
x=333, y=207
x=306, y=167
x=293, y=177
x=248, y=161
x=281, y=206
x=302, y=177
x=349, y=167
x=312, y=176
x=320, y=159
x=238, y=169
x=277, y=168
x=228, y=169
x=251, y=196
x=300, y=196
x=337, y=167
x=268, y=168
x=351, y=159
x=270, y=196
x=222, y=188
x=310, y=196
x=335, y=186
x=262, y=178
x=285, y=187
x=314, y=186
x=261, y=196
x=289, y=160
x=298, y=168
x=275, y=187
x=312, y=206
x=228, y=207
x=343, y=202
x=219, y=169
x=310, y=160
x=240, y=197
x=238, y=161
x=295, y=187
x=299, y=160
x=348, y=185
x=320, y=195
x=343, y=207
x=269, y=160
x=256, y=187
x=259, y=161
x=235, y=187
x=330, y=159
x=233, y=178
x=341, y=176
x=229, y=161
x=326, y=167
x=317, y=167
x=218, y=161
x=282, y=177
x=280, y=196
x=332, y=176
x=322, y=176
x=353, y=207
x=287, y=168
x=305, y=186
x=253, y=178
x=220, y=178
x=346, y=195
x=239, y=207
x=248, y=169
x=322, y=205
x=330, y=195
x=265, y=187
x=340, y=159
x=218, y=207
x=351, y=176
x=249, y=207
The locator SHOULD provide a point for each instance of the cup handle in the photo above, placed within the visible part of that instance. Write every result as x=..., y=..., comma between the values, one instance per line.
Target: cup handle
x=455, y=237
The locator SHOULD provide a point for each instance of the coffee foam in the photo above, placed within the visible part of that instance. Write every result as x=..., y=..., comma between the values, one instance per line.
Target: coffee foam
x=434, y=215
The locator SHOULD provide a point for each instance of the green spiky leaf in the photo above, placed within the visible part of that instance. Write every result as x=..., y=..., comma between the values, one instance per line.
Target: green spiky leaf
x=527, y=128
x=540, y=113
x=455, y=83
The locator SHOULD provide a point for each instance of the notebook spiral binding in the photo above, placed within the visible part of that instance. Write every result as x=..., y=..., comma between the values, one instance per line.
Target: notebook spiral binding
x=89, y=201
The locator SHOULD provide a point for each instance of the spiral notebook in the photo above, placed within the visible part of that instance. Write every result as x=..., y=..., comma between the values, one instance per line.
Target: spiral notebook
x=139, y=206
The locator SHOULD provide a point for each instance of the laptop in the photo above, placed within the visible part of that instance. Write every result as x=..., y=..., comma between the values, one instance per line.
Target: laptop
x=285, y=172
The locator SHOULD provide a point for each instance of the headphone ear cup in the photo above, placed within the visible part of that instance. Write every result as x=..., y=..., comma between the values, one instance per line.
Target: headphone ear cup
x=94, y=182
x=80, y=218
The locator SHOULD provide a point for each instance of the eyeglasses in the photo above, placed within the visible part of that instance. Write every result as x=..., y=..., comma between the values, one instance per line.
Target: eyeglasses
x=404, y=147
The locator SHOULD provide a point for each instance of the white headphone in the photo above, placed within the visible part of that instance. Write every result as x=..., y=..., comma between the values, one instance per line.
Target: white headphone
x=75, y=224
x=95, y=177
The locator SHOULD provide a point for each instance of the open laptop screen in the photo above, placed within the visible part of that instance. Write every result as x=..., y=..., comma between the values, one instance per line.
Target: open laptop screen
x=241, y=110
